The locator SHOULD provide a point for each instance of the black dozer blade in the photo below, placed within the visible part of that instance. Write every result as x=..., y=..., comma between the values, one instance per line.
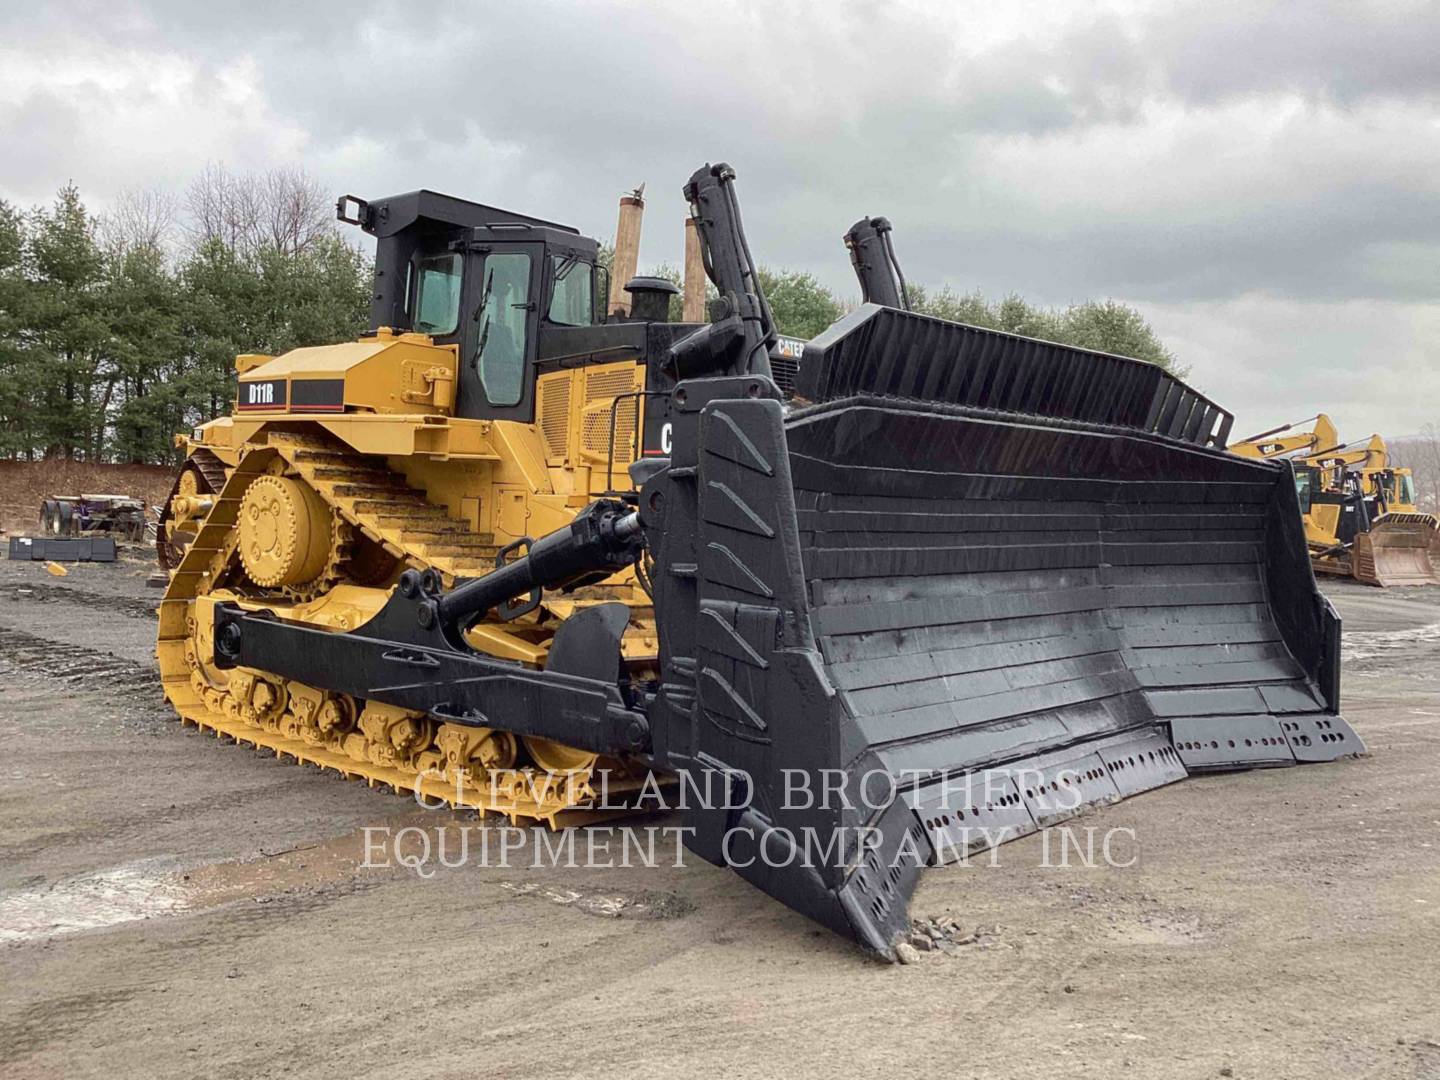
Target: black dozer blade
x=978, y=584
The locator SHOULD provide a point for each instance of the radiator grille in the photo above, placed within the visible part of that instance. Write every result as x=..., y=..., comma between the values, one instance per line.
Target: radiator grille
x=555, y=415
x=601, y=390
x=783, y=370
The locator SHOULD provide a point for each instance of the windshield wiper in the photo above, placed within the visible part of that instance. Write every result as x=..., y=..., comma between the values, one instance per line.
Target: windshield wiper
x=484, y=296
x=481, y=311
x=484, y=337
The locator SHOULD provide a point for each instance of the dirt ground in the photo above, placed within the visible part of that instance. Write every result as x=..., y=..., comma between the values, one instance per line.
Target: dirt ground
x=174, y=907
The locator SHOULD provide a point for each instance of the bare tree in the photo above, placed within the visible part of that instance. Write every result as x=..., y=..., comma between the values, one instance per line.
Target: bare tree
x=1429, y=470
x=217, y=209
x=297, y=211
x=285, y=209
x=1421, y=455
x=141, y=218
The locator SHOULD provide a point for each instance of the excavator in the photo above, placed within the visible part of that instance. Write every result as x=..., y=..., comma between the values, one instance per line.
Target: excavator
x=1359, y=511
x=511, y=551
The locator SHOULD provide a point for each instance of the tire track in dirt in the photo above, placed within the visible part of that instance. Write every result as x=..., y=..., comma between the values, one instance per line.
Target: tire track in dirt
x=126, y=825
x=53, y=1020
x=45, y=592
x=24, y=653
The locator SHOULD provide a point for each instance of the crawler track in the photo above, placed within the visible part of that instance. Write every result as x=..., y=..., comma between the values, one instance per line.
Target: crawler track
x=462, y=766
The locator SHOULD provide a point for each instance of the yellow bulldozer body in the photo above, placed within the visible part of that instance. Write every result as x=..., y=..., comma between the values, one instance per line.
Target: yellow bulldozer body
x=397, y=483
x=522, y=552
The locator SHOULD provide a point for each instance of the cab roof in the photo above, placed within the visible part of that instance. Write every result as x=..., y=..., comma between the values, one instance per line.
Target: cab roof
x=394, y=213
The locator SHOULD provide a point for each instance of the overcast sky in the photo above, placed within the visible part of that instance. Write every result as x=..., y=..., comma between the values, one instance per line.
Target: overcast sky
x=1259, y=179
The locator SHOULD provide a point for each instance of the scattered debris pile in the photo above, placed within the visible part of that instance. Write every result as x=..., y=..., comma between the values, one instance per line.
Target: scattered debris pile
x=945, y=935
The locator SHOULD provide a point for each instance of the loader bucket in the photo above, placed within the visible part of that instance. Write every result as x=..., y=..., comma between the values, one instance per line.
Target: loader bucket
x=979, y=584
x=1399, y=549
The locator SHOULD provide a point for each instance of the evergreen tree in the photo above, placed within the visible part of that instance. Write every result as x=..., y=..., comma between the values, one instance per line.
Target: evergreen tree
x=68, y=379
x=15, y=423
x=144, y=302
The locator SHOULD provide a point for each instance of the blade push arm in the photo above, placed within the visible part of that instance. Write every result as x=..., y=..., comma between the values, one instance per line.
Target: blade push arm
x=738, y=339
x=873, y=256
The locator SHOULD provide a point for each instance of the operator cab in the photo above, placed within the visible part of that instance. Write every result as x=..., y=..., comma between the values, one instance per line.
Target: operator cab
x=1353, y=513
x=1396, y=487
x=490, y=282
x=521, y=298
x=1307, y=483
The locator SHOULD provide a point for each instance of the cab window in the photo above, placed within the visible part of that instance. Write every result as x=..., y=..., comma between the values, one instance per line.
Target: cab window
x=505, y=303
x=1407, y=488
x=572, y=302
x=437, y=299
x=1304, y=480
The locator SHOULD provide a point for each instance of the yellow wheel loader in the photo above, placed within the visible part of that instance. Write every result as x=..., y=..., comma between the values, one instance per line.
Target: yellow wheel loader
x=1359, y=512
x=958, y=586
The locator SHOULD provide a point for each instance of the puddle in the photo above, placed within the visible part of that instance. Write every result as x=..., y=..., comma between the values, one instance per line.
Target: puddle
x=1368, y=644
x=271, y=873
x=144, y=890
x=126, y=894
x=141, y=891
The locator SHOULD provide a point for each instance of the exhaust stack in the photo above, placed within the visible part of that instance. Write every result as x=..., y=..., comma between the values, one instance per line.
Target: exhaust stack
x=650, y=298
x=627, y=249
x=693, y=305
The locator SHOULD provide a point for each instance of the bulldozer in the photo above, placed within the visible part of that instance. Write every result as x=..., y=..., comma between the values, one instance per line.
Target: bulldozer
x=509, y=550
x=1395, y=543
x=1359, y=511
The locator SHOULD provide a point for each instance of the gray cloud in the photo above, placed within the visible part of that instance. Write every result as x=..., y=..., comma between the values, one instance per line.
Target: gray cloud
x=1340, y=51
x=1254, y=163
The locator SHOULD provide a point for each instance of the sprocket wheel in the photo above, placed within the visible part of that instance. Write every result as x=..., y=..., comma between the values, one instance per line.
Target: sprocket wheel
x=285, y=532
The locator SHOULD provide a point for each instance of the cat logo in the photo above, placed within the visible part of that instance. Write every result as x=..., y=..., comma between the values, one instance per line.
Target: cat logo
x=789, y=348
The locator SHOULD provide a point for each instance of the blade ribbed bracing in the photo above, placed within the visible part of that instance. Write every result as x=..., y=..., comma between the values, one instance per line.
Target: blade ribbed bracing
x=891, y=353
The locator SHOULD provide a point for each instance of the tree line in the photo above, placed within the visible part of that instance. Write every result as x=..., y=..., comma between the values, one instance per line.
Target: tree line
x=803, y=307
x=119, y=329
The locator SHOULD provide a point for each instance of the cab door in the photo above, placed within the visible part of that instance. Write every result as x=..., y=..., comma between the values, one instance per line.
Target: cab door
x=497, y=360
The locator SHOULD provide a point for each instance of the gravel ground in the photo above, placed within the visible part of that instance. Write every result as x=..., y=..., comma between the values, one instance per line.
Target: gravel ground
x=174, y=907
